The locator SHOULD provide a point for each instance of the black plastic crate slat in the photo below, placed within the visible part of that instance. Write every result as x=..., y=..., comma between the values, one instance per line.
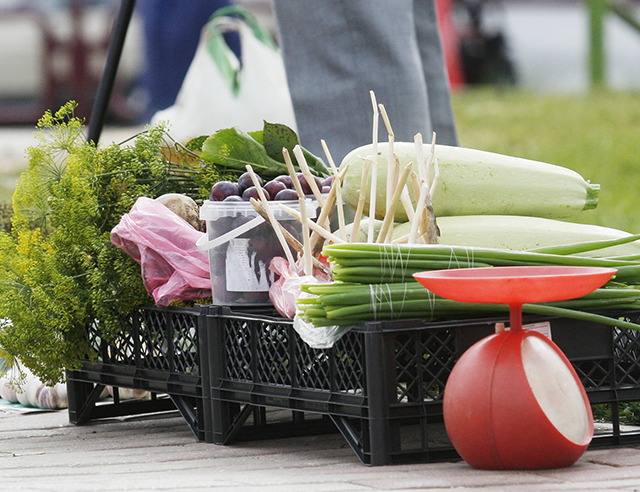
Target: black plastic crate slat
x=382, y=383
x=159, y=352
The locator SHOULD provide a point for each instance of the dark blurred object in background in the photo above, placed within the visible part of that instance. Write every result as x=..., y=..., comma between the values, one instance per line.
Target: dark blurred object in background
x=55, y=50
x=483, y=49
x=56, y=53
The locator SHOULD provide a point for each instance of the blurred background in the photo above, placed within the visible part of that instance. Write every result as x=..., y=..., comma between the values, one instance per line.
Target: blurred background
x=524, y=73
x=54, y=50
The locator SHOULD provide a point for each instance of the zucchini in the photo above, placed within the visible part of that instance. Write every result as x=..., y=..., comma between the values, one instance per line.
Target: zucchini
x=475, y=182
x=515, y=232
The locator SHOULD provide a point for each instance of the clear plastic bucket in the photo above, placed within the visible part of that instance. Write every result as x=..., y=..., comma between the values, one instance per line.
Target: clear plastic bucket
x=241, y=245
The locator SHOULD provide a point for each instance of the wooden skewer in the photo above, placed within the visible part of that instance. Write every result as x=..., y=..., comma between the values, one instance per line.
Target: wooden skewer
x=292, y=172
x=404, y=239
x=436, y=178
x=307, y=255
x=396, y=173
x=415, y=184
x=418, y=224
x=432, y=154
x=290, y=238
x=326, y=212
x=304, y=167
x=272, y=219
x=312, y=225
x=420, y=160
x=339, y=203
x=391, y=166
x=405, y=199
x=306, y=246
x=388, y=219
x=360, y=206
x=298, y=187
x=374, y=171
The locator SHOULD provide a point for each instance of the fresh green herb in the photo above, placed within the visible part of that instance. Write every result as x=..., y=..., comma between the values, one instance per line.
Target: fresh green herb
x=58, y=268
x=6, y=211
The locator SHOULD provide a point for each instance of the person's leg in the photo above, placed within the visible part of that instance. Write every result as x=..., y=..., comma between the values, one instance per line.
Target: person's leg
x=335, y=53
x=435, y=73
x=172, y=32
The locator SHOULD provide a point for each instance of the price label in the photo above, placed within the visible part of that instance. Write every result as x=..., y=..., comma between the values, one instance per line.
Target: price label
x=542, y=327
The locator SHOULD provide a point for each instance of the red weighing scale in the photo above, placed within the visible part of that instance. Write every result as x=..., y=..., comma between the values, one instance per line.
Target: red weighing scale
x=513, y=400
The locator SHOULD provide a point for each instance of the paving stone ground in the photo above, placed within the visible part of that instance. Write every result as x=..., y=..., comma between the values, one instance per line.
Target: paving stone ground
x=43, y=452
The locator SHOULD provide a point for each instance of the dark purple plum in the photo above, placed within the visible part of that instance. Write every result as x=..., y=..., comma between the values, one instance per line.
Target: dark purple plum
x=245, y=181
x=252, y=192
x=273, y=187
x=286, y=194
x=223, y=189
x=286, y=179
x=239, y=220
x=326, y=189
x=233, y=198
x=221, y=225
x=306, y=187
x=327, y=181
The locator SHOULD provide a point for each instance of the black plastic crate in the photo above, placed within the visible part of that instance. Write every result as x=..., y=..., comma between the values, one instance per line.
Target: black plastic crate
x=382, y=383
x=608, y=363
x=160, y=351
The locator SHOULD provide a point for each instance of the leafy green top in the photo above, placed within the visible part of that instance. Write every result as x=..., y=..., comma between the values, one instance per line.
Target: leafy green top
x=58, y=268
x=233, y=149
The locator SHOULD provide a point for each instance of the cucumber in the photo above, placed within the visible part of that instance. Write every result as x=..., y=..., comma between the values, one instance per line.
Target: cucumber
x=475, y=182
x=516, y=232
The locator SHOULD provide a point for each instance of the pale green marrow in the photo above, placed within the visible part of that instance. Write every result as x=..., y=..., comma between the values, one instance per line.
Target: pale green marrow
x=515, y=232
x=475, y=182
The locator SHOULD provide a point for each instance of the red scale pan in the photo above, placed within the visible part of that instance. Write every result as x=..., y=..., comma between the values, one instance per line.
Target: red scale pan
x=513, y=400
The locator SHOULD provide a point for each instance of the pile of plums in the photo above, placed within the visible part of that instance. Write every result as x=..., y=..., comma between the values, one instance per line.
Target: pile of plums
x=280, y=188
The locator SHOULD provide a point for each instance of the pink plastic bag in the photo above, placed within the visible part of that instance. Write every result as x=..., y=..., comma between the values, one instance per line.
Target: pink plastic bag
x=164, y=245
x=285, y=290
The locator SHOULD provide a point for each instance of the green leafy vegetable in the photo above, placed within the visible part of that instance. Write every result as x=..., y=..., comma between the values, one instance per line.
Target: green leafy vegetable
x=233, y=149
x=58, y=268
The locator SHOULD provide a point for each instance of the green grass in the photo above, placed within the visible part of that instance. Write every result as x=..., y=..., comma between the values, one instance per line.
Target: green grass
x=596, y=134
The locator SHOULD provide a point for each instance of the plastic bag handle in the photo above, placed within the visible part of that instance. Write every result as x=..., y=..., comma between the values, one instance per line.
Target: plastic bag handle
x=240, y=13
x=204, y=245
x=228, y=19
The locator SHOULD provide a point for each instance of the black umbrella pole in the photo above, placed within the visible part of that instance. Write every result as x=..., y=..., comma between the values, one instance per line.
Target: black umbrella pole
x=103, y=96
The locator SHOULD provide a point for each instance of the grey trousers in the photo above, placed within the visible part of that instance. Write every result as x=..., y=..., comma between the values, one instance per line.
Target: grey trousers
x=337, y=51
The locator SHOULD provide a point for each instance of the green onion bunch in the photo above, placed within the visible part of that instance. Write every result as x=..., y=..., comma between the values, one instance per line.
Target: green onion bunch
x=373, y=282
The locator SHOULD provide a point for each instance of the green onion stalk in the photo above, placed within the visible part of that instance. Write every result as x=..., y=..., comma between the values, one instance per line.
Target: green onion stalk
x=373, y=282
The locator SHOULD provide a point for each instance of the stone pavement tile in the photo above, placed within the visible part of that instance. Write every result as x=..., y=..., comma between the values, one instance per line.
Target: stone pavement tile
x=455, y=476
x=586, y=486
x=44, y=452
x=615, y=457
x=605, y=476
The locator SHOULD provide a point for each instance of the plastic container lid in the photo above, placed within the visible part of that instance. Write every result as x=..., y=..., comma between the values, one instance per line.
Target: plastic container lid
x=211, y=210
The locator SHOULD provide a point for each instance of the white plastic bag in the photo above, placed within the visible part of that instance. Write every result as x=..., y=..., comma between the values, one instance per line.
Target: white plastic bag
x=318, y=337
x=220, y=92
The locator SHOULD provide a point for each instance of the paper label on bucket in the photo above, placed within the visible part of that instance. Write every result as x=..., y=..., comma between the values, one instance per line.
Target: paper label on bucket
x=244, y=271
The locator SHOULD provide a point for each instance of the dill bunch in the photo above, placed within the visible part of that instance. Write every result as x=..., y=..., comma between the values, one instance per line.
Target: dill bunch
x=58, y=268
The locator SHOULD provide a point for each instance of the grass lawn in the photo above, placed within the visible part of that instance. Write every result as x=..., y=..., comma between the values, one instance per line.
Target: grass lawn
x=596, y=134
